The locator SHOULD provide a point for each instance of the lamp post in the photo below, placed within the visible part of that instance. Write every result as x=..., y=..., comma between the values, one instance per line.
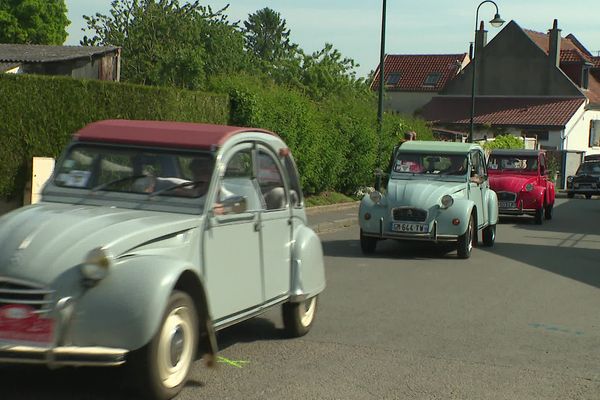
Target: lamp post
x=496, y=23
x=378, y=171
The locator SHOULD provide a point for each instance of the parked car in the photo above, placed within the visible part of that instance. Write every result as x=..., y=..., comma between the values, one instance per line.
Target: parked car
x=131, y=258
x=520, y=179
x=586, y=180
x=436, y=192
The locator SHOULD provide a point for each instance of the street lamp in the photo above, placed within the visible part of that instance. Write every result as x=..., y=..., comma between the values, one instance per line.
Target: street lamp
x=496, y=23
x=378, y=172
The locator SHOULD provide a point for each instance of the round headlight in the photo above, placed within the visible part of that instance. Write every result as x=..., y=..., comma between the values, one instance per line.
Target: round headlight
x=375, y=196
x=529, y=187
x=447, y=201
x=96, y=264
x=569, y=179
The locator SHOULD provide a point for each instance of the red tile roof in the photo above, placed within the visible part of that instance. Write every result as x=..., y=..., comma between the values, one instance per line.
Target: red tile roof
x=414, y=69
x=508, y=111
x=570, y=48
x=160, y=133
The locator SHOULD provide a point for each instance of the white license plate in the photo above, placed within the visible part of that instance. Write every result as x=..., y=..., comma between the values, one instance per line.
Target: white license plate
x=507, y=204
x=413, y=228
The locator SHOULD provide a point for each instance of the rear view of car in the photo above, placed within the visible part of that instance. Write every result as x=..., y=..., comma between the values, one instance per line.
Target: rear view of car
x=586, y=181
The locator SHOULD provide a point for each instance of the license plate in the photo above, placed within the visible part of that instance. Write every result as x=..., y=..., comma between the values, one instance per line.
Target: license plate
x=507, y=204
x=20, y=323
x=413, y=228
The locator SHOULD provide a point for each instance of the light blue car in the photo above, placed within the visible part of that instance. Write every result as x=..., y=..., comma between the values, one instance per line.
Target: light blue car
x=150, y=237
x=437, y=192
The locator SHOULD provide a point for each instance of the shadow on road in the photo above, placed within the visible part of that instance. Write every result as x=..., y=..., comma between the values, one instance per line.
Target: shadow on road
x=390, y=248
x=252, y=330
x=580, y=264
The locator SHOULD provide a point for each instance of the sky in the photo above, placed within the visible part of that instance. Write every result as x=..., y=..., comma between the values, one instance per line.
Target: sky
x=412, y=27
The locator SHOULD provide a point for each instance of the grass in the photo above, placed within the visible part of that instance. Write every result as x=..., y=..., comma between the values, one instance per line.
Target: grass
x=327, y=198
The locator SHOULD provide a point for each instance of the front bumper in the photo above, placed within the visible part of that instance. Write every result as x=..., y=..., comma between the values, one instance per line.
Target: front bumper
x=426, y=237
x=62, y=356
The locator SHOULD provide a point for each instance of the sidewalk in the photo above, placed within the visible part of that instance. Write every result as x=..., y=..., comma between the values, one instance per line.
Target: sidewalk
x=327, y=218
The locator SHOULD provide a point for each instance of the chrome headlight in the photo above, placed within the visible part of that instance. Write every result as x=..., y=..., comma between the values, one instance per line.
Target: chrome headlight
x=447, y=201
x=529, y=187
x=375, y=196
x=570, y=178
x=97, y=263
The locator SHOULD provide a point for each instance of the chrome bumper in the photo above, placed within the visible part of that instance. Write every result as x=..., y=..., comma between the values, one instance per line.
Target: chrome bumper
x=62, y=356
x=427, y=237
x=517, y=211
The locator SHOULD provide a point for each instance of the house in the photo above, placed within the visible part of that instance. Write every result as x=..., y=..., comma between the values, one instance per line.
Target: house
x=412, y=80
x=89, y=62
x=529, y=84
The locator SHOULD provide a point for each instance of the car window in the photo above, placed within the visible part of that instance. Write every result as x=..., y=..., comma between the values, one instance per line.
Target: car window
x=270, y=181
x=430, y=164
x=238, y=180
x=513, y=163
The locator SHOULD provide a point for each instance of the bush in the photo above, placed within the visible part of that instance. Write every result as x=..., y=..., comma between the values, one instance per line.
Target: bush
x=504, y=142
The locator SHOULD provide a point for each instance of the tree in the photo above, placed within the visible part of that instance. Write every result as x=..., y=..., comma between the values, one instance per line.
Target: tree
x=267, y=36
x=168, y=43
x=33, y=21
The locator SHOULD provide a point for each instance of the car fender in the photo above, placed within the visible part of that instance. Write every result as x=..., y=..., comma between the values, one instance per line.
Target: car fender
x=492, y=207
x=376, y=212
x=124, y=310
x=550, y=193
x=461, y=209
x=308, y=270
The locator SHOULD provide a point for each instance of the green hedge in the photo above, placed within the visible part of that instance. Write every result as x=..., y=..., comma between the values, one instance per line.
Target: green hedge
x=39, y=114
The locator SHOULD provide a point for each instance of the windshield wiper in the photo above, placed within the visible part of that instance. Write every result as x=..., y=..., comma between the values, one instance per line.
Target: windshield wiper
x=175, y=186
x=114, y=182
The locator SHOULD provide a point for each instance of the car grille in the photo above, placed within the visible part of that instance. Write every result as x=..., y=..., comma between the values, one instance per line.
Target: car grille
x=507, y=196
x=409, y=214
x=25, y=293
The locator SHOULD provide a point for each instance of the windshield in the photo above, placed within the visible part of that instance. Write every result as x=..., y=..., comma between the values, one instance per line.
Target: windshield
x=512, y=163
x=430, y=164
x=135, y=170
x=592, y=168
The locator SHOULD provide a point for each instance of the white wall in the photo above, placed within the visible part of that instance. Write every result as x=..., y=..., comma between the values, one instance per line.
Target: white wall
x=406, y=102
x=577, y=131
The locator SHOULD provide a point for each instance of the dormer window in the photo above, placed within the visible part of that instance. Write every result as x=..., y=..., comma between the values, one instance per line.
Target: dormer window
x=585, y=75
x=393, y=79
x=432, y=79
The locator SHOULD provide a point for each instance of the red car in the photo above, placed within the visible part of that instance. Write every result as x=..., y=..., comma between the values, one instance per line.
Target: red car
x=520, y=179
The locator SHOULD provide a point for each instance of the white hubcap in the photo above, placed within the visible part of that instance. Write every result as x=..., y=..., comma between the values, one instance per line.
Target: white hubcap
x=307, y=311
x=175, y=347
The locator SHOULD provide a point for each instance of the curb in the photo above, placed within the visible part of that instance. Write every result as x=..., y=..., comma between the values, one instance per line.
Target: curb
x=331, y=207
x=329, y=226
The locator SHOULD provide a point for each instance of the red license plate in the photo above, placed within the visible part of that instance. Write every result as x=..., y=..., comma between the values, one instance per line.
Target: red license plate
x=20, y=323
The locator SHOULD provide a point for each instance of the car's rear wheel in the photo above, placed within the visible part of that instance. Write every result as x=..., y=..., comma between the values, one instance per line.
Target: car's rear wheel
x=161, y=368
x=298, y=318
x=539, y=215
x=570, y=195
x=489, y=235
x=588, y=196
x=465, y=241
x=548, y=211
x=367, y=243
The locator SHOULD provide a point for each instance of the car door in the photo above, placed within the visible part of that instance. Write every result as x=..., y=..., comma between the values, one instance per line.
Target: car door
x=275, y=225
x=477, y=185
x=233, y=273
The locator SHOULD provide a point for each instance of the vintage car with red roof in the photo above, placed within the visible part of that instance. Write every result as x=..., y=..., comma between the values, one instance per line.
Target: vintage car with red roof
x=151, y=236
x=520, y=179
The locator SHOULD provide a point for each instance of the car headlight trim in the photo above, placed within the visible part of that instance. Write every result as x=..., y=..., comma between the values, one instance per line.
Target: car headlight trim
x=375, y=196
x=447, y=201
x=97, y=264
x=529, y=187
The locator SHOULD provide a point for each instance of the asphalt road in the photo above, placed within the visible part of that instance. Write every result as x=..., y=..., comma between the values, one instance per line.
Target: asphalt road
x=517, y=321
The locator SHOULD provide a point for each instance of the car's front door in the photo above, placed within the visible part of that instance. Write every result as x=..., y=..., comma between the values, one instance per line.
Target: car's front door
x=478, y=185
x=232, y=265
x=275, y=225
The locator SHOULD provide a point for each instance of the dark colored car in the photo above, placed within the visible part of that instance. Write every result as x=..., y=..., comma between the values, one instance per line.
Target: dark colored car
x=586, y=180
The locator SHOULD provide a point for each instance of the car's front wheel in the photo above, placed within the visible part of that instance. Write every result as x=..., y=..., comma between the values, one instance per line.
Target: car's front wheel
x=465, y=241
x=588, y=196
x=298, y=318
x=570, y=195
x=539, y=215
x=489, y=235
x=548, y=211
x=368, y=244
x=162, y=366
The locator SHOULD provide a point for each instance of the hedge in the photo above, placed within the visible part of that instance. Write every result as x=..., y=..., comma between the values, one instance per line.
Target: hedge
x=40, y=113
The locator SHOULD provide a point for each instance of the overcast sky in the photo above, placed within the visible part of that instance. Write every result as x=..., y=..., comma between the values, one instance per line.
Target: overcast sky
x=413, y=27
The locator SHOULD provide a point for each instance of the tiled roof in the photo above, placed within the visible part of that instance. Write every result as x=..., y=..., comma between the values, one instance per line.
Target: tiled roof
x=593, y=92
x=570, y=48
x=43, y=53
x=508, y=111
x=596, y=62
x=8, y=66
x=415, y=68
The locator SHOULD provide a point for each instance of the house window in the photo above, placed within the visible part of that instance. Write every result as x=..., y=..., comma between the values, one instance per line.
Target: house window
x=432, y=79
x=595, y=133
x=393, y=79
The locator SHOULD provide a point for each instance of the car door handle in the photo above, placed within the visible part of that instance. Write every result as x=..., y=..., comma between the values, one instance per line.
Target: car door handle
x=257, y=226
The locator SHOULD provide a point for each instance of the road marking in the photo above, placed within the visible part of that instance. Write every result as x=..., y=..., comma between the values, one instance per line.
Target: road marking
x=555, y=328
x=233, y=363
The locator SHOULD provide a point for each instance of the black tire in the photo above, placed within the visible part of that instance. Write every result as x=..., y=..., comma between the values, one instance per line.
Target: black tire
x=539, y=216
x=489, y=235
x=368, y=244
x=298, y=318
x=465, y=241
x=588, y=196
x=548, y=211
x=570, y=195
x=161, y=368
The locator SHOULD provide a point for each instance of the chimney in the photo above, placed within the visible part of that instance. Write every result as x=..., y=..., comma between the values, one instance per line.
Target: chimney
x=480, y=40
x=554, y=45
